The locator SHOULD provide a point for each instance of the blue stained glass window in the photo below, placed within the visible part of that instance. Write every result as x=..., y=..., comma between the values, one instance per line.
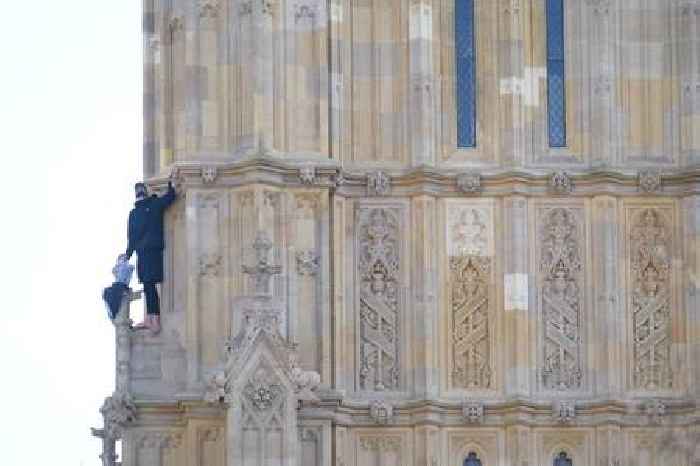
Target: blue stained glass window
x=563, y=460
x=465, y=73
x=556, y=84
x=472, y=460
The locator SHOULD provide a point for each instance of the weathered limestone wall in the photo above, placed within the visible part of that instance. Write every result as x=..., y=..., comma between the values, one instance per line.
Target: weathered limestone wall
x=513, y=323
x=372, y=83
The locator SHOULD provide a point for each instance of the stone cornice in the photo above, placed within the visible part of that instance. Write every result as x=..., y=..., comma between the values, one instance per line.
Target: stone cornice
x=328, y=174
x=623, y=413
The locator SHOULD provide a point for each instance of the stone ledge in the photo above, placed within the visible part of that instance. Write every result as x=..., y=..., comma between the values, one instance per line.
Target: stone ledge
x=328, y=174
x=623, y=413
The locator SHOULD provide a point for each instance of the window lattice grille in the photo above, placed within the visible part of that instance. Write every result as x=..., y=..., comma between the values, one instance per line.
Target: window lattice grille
x=556, y=84
x=465, y=70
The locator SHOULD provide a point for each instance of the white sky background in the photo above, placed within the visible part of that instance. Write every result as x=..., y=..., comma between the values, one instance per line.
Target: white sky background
x=70, y=146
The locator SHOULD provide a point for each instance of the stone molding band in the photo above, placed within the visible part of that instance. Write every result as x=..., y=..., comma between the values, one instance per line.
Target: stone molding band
x=435, y=181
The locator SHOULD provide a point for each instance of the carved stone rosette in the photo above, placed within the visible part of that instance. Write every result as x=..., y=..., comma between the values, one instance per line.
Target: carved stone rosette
x=651, y=288
x=649, y=181
x=561, y=283
x=560, y=182
x=378, y=184
x=209, y=174
x=473, y=413
x=379, y=304
x=381, y=412
x=307, y=175
x=564, y=412
x=469, y=183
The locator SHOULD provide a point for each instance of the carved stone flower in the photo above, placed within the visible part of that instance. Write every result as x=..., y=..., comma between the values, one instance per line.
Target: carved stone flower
x=381, y=411
x=564, y=412
x=473, y=413
x=209, y=174
x=469, y=183
x=378, y=183
x=560, y=182
x=307, y=175
x=649, y=181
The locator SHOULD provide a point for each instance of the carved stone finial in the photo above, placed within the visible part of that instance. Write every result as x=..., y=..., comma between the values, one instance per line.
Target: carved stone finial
x=469, y=183
x=560, y=182
x=176, y=24
x=262, y=271
x=307, y=262
x=473, y=413
x=381, y=411
x=378, y=183
x=118, y=411
x=307, y=175
x=564, y=412
x=649, y=181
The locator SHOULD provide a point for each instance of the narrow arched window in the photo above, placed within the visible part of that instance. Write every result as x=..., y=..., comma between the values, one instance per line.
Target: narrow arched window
x=556, y=84
x=563, y=460
x=472, y=460
x=465, y=71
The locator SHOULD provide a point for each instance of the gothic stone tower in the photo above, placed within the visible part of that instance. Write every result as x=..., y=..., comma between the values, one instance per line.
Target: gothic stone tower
x=420, y=232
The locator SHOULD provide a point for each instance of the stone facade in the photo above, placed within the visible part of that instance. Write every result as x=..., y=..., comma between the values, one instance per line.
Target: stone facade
x=347, y=287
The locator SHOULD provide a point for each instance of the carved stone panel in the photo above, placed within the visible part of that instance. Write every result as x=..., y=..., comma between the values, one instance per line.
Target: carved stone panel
x=470, y=232
x=649, y=304
x=561, y=245
x=208, y=227
x=382, y=447
x=379, y=268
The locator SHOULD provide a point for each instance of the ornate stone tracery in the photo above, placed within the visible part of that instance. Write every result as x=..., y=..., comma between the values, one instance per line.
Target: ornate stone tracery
x=379, y=304
x=561, y=282
x=470, y=277
x=650, y=270
x=262, y=392
x=381, y=443
x=470, y=308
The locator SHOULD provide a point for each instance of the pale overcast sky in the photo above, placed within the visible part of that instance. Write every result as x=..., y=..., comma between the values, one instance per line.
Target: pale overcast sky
x=70, y=144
